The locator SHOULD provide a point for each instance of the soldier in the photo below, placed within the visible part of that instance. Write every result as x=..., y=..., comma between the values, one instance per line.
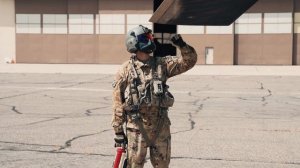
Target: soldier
x=141, y=98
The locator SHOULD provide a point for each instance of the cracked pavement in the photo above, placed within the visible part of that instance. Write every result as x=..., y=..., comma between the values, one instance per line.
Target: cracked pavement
x=63, y=120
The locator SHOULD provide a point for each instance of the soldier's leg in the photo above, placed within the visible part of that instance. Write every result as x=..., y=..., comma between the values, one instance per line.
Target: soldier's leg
x=160, y=156
x=137, y=149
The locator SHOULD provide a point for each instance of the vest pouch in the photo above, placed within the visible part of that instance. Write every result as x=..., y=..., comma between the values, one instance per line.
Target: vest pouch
x=155, y=99
x=167, y=99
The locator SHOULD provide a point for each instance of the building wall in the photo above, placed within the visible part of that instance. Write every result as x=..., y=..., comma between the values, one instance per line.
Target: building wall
x=112, y=47
x=222, y=45
x=7, y=31
x=76, y=48
x=296, y=35
x=230, y=46
x=269, y=6
x=297, y=49
x=125, y=5
x=264, y=49
x=42, y=6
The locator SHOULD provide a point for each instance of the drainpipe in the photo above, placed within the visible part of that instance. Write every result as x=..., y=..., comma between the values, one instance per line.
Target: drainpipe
x=294, y=53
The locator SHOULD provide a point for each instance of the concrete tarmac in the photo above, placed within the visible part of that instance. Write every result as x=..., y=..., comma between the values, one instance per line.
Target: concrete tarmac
x=63, y=121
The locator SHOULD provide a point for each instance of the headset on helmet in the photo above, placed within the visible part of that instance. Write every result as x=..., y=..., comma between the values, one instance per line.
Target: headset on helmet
x=140, y=39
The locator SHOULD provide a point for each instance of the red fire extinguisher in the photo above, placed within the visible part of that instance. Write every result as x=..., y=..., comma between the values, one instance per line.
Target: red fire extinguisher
x=121, y=158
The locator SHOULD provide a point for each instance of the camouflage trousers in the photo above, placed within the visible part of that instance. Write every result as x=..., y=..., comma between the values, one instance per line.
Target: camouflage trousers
x=137, y=148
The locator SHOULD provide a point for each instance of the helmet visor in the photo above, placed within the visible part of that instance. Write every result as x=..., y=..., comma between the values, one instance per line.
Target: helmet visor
x=145, y=38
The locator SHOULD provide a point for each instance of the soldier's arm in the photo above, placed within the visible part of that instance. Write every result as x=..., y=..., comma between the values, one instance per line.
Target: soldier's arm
x=178, y=65
x=119, y=86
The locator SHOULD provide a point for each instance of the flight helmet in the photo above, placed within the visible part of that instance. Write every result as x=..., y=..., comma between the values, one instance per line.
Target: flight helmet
x=140, y=39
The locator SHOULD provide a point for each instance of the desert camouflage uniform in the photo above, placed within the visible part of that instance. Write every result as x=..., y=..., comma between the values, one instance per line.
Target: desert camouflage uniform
x=137, y=146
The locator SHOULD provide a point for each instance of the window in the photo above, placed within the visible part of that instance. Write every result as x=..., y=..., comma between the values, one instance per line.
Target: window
x=81, y=24
x=110, y=24
x=219, y=29
x=190, y=29
x=297, y=22
x=55, y=24
x=28, y=23
x=134, y=20
x=249, y=23
x=278, y=23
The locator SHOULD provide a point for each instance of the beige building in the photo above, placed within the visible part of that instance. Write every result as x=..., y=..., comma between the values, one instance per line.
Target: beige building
x=93, y=32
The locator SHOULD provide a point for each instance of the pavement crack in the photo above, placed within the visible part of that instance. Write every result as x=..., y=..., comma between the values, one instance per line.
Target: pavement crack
x=51, y=97
x=68, y=143
x=200, y=107
x=85, y=82
x=37, y=122
x=238, y=160
x=29, y=144
x=56, y=152
x=23, y=94
x=192, y=124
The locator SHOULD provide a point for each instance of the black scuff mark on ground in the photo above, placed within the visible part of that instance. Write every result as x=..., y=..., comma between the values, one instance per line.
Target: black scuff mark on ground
x=14, y=108
x=107, y=98
x=264, y=98
x=238, y=160
x=192, y=122
x=241, y=98
x=261, y=86
x=207, y=98
x=89, y=112
x=51, y=97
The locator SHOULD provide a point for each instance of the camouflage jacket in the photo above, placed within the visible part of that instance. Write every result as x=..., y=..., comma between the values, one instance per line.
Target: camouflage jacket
x=171, y=66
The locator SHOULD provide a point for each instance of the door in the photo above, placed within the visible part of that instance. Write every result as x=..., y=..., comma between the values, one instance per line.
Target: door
x=209, y=55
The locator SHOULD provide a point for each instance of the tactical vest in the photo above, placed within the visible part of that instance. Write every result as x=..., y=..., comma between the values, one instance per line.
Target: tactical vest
x=142, y=91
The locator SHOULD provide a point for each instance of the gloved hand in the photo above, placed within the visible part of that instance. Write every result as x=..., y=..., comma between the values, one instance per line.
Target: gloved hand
x=177, y=40
x=120, y=139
